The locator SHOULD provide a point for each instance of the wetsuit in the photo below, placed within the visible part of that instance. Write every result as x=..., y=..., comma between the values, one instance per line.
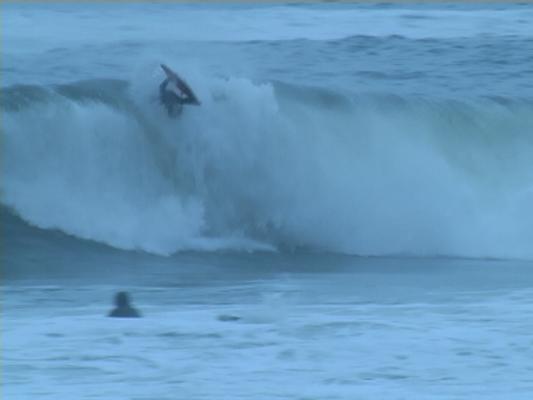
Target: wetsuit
x=123, y=309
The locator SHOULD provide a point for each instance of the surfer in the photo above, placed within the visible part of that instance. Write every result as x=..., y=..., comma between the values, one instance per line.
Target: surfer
x=174, y=93
x=123, y=308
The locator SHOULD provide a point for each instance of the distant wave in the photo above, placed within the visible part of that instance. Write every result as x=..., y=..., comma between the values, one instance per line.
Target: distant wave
x=242, y=22
x=271, y=166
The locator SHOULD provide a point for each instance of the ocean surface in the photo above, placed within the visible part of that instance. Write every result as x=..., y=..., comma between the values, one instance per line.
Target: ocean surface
x=347, y=215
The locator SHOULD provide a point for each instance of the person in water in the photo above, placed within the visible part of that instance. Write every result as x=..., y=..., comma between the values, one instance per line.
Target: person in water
x=123, y=308
x=174, y=94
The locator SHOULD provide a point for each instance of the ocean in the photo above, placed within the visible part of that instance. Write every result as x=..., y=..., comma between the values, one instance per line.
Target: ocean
x=347, y=214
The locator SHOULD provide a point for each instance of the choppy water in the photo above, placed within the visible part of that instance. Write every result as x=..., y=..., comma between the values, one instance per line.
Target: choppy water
x=328, y=133
x=316, y=327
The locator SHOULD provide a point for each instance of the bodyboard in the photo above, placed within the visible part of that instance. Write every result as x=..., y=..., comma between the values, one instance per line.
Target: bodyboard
x=180, y=83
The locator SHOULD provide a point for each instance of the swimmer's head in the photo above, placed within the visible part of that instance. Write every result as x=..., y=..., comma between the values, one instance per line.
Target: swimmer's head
x=122, y=299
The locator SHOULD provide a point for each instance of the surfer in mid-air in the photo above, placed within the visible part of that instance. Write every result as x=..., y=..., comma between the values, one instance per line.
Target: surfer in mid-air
x=174, y=93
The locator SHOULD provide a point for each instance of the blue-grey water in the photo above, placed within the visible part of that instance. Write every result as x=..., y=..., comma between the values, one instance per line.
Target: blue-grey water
x=356, y=187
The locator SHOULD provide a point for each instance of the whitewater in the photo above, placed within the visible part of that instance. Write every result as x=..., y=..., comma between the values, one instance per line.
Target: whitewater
x=356, y=187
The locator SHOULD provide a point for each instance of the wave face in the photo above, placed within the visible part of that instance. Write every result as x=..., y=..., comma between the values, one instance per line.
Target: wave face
x=270, y=166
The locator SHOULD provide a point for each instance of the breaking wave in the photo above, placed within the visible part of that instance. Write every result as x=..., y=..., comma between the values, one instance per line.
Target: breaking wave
x=270, y=166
